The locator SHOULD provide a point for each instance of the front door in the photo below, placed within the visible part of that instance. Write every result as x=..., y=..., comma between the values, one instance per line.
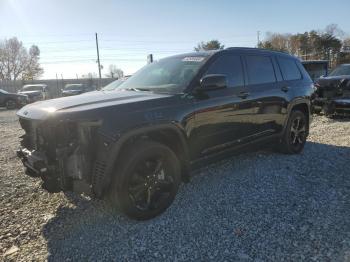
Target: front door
x=219, y=113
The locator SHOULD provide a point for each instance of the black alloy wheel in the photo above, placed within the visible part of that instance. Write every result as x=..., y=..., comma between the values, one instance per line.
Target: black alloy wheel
x=298, y=132
x=295, y=134
x=147, y=179
x=150, y=184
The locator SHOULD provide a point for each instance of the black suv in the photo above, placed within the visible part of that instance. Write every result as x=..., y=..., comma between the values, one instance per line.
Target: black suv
x=135, y=144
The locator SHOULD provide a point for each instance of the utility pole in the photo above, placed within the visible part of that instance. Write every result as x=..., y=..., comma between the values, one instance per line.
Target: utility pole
x=258, y=36
x=57, y=85
x=98, y=59
x=150, y=59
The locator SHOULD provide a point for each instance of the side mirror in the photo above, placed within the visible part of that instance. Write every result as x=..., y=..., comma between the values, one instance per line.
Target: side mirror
x=213, y=82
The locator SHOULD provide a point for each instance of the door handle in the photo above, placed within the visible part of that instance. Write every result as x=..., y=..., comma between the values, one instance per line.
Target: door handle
x=243, y=94
x=285, y=88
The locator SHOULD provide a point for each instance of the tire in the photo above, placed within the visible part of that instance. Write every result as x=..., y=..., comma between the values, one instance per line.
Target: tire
x=10, y=104
x=146, y=180
x=295, y=134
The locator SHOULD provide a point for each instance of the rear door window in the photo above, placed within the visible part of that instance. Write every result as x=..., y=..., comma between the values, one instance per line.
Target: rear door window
x=289, y=69
x=231, y=66
x=260, y=70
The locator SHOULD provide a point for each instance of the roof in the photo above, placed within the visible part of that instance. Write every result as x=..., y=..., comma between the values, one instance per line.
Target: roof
x=39, y=85
x=314, y=61
x=238, y=49
x=258, y=50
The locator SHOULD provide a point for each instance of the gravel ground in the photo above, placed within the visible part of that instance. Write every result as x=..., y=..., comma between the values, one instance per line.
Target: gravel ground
x=258, y=206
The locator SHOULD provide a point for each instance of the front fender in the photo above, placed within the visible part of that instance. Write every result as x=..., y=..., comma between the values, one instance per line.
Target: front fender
x=109, y=150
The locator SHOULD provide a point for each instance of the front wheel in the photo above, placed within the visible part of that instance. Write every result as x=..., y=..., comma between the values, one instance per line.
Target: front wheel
x=147, y=178
x=10, y=104
x=294, y=137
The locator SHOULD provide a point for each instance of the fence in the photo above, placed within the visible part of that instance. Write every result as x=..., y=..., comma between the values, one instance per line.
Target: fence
x=54, y=86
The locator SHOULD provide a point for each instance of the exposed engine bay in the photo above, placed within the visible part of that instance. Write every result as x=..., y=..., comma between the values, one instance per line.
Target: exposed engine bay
x=62, y=154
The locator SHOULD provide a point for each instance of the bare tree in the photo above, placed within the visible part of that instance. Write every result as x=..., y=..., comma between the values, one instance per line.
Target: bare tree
x=90, y=75
x=33, y=69
x=114, y=72
x=17, y=63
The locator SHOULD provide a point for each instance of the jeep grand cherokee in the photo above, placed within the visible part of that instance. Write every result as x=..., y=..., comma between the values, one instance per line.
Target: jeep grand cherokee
x=134, y=145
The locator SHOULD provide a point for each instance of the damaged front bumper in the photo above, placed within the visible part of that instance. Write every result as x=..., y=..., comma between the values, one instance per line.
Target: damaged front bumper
x=61, y=153
x=36, y=165
x=332, y=106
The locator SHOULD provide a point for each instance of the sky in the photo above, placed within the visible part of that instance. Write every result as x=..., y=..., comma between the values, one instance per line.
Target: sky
x=129, y=30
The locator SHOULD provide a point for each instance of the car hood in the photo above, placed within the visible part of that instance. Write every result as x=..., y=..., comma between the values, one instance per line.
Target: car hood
x=331, y=82
x=29, y=93
x=83, y=102
x=72, y=91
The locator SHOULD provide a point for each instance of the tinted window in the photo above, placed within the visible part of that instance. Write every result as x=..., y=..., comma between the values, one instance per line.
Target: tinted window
x=289, y=68
x=341, y=70
x=231, y=66
x=260, y=70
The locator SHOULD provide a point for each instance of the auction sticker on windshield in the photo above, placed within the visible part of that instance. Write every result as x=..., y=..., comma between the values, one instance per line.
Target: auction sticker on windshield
x=193, y=59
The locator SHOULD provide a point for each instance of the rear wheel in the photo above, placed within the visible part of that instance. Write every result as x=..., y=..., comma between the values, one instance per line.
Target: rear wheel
x=295, y=135
x=10, y=104
x=146, y=181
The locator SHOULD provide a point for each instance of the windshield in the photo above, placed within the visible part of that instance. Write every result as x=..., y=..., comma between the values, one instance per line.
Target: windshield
x=113, y=85
x=73, y=87
x=3, y=91
x=316, y=70
x=32, y=88
x=341, y=71
x=169, y=75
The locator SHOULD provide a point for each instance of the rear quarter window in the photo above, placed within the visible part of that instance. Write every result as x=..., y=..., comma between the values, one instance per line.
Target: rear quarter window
x=289, y=69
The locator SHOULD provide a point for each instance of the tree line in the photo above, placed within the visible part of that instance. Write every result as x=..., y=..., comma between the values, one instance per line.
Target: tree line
x=313, y=45
x=17, y=62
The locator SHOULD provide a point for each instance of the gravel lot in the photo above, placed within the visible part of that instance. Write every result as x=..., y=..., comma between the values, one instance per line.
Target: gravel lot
x=259, y=206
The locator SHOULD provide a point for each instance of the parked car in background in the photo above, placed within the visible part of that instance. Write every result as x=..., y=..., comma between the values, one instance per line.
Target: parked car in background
x=11, y=100
x=76, y=89
x=332, y=94
x=316, y=68
x=35, y=92
x=135, y=144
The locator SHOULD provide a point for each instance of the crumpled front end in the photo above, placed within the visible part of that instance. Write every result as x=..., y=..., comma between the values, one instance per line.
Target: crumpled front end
x=61, y=153
x=330, y=96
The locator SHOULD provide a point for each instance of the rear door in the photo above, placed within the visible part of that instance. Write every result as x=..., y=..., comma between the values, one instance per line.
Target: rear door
x=266, y=98
x=291, y=80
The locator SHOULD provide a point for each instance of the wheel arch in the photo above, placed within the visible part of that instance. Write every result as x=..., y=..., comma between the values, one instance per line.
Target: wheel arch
x=302, y=105
x=170, y=135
